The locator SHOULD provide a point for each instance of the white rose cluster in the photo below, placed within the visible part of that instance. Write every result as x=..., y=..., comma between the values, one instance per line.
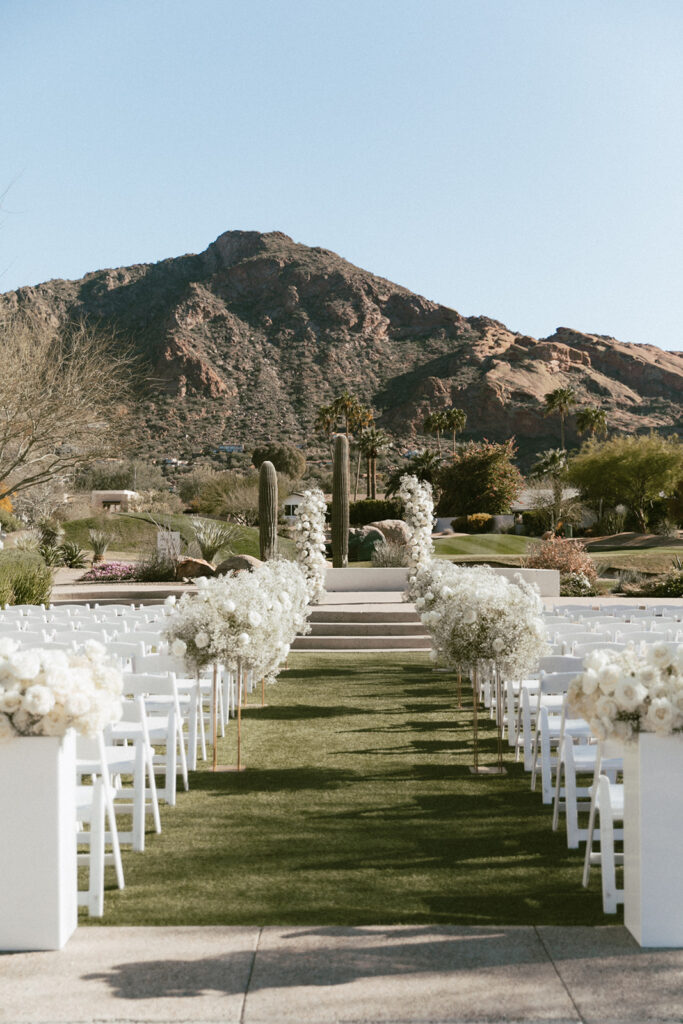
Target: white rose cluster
x=45, y=692
x=418, y=503
x=249, y=618
x=622, y=693
x=309, y=538
x=474, y=614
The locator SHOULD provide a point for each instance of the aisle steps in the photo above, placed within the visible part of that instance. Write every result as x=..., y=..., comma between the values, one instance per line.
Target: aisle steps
x=366, y=629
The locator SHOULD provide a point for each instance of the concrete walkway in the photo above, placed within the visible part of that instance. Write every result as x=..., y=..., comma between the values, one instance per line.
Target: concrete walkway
x=421, y=975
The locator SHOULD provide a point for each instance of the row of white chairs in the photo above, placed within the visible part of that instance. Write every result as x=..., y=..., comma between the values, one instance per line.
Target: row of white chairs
x=161, y=735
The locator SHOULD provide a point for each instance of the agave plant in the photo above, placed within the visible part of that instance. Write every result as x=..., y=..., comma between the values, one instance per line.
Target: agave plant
x=212, y=536
x=99, y=542
x=73, y=557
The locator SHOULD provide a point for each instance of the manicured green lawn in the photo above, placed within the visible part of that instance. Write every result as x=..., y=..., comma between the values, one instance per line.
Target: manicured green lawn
x=503, y=546
x=134, y=532
x=357, y=807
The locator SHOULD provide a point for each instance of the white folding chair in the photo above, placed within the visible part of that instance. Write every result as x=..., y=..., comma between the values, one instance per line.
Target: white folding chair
x=608, y=803
x=160, y=695
x=550, y=726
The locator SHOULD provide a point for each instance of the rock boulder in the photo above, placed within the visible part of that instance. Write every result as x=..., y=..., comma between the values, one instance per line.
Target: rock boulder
x=238, y=563
x=394, y=530
x=191, y=568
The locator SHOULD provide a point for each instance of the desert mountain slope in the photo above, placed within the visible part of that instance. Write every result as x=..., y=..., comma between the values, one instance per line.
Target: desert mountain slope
x=245, y=340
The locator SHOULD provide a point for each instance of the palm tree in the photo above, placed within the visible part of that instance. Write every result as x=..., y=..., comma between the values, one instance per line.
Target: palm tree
x=560, y=400
x=434, y=423
x=455, y=421
x=371, y=443
x=346, y=405
x=425, y=465
x=362, y=419
x=552, y=466
x=592, y=420
x=324, y=420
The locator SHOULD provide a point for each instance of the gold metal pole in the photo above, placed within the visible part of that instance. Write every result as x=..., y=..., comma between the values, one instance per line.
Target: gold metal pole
x=214, y=715
x=475, y=722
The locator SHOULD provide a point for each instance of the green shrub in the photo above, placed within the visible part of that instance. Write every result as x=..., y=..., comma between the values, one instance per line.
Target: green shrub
x=669, y=584
x=73, y=556
x=374, y=510
x=8, y=521
x=24, y=579
x=536, y=521
x=480, y=522
x=155, y=568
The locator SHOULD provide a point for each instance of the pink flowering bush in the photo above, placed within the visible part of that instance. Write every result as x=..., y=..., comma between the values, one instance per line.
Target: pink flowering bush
x=109, y=572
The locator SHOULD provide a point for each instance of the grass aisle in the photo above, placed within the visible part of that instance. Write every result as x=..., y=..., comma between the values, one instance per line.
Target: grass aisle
x=357, y=808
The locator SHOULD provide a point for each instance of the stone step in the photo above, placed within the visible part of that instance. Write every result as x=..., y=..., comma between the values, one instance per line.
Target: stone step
x=367, y=629
x=361, y=643
x=344, y=615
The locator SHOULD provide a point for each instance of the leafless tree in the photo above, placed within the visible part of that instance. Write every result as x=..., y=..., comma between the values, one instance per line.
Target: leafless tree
x=65, y=398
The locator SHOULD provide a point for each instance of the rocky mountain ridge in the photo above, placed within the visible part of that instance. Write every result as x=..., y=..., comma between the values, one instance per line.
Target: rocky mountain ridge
x=244, y=341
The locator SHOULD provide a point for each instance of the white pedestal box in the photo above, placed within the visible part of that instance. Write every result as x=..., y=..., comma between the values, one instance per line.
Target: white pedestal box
x=38, y=881
x=653, y=840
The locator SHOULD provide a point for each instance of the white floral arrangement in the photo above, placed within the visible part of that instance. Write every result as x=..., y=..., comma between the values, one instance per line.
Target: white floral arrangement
x=623, y=693
x=418, y=503
x=46, y=692
x=474, y=614
x=309, y=538
x=248, y=618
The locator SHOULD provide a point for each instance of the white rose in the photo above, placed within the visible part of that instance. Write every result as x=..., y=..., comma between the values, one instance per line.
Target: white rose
x=178, y=648
x=170, y=601
x=24, y=664
x=38, y=700
x=628, y=694
x=201, y=640
x=229, y=607
x=244, y=639
x=498, y=645
x=660, y=716
x=469, y=616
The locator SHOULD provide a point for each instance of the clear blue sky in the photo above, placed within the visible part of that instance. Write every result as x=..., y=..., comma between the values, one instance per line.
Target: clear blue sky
x=521, y=159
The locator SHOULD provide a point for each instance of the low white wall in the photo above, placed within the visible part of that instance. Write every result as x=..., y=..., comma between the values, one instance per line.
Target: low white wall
x=547, y=580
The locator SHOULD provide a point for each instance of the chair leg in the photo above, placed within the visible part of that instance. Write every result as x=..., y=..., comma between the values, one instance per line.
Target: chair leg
x=558, y=786
x=96, y=859
x=607, y=861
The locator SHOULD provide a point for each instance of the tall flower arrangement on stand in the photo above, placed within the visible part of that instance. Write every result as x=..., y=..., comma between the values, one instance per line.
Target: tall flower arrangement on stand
x=45, y=692
x=418, y=502
x=309, y=538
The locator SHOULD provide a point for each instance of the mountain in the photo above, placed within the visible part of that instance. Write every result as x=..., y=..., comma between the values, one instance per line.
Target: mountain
x=245, y=341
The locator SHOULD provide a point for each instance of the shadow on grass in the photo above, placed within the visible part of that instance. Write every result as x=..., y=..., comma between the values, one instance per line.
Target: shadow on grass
x=272, y=780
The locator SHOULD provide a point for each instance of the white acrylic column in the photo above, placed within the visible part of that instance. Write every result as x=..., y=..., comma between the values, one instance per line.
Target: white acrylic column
x=38, y=882
x=653, y=840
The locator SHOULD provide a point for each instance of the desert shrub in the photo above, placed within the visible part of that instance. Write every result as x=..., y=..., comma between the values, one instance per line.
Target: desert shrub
x=24, y=579
x=390, y=555
x=135, y=475
x=8, y=521
x=568, y=556
x=668, y=584
x=373, y=510
x=156, y=567
x=234, y=496
x=191, y=484
x=666, y=528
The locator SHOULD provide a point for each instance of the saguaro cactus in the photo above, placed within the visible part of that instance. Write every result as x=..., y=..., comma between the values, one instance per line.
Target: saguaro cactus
x=267, y=510
x=340, y=503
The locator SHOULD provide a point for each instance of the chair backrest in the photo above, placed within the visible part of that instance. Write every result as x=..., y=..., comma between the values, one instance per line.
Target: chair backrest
x=580, y=650
x=155, y=663
x=555, y=682
x=152, y=641
x=31, y=638
x=143, y=684
x=637, y=637
x=81, y=636
x=560, y=663
x=125, y=652
x=118, y=609
x=584, y=638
